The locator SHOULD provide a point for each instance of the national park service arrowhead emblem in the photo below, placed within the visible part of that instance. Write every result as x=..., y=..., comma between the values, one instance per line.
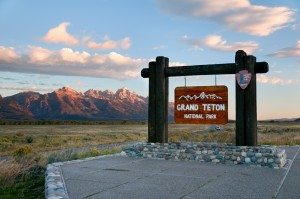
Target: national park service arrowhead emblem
x=243, y=78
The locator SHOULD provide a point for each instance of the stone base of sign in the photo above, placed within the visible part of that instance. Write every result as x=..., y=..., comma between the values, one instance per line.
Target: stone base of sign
x=267, y=156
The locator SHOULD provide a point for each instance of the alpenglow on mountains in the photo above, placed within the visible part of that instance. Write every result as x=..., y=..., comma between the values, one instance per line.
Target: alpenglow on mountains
x=68, y=104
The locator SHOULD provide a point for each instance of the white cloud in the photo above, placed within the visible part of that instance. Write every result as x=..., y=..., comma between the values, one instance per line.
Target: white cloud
x=274, y=80
x=171, y=64
x=159, y=47
x=68, y=55
x=99, y=59
x=108, y=43
x=216, y=42
x=8, y=54
x=26, y=88
x=39, y=54
x=239, y=15
x=74, y=63
x=288, y=52
x=177, y=64
x=59, y=34
x=295, y=26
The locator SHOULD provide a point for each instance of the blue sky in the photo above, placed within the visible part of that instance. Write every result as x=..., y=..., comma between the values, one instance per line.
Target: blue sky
x=104, y=44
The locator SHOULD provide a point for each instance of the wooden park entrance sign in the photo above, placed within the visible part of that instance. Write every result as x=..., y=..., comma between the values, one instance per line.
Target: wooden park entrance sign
x=244, y=68
x=201, y=105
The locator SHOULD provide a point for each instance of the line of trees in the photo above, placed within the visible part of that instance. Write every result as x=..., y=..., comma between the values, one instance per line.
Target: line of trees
x=67, y=122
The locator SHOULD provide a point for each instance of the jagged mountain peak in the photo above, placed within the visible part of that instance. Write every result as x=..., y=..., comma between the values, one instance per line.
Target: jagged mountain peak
x=123, y=93
x=30, y=95
x=123, y=89
x=93, y=93
x=66, y=90
x=108, y=91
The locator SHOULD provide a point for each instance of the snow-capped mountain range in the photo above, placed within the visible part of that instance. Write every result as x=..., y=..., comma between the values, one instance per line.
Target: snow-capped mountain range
x=68, y=104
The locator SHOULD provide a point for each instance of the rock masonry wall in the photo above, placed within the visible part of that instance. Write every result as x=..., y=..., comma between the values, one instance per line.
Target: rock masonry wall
x=268, y=156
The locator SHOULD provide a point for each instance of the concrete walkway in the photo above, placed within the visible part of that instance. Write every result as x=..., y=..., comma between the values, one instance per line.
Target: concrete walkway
x=124, y=177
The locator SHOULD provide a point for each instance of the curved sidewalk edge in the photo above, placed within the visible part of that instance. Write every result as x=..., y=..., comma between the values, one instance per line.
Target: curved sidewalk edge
x=55, y=187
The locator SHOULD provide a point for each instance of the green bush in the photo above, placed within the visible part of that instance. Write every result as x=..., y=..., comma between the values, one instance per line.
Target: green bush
x=29, y=139
x=87, y=138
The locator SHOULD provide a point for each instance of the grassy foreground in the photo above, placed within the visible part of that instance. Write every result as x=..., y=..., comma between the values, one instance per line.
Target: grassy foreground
x=24, y=176
x=25, y=150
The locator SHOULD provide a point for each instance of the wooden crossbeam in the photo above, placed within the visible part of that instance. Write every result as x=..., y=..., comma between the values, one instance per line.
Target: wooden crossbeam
x=210, y=69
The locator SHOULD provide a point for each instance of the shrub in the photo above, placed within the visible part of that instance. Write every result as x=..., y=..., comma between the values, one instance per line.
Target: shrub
x=5, y=143
x=21, y=181
x=9, y=171
x=94, y=151
x=73, y=155
x=62, y=156
x=87, y=138
x=22, y=151
x=29, y=139
x=4, y=139
x=47, y=141
x=20, y=134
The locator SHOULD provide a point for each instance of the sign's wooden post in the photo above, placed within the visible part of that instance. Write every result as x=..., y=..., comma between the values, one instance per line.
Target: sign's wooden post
x=151, y=103
x=158, y=101
x=246, y=115
x=239, y=101
x=250, y=104
x=166, y=100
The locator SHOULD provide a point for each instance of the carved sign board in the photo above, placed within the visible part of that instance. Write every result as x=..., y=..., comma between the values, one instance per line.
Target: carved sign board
x=201, y=105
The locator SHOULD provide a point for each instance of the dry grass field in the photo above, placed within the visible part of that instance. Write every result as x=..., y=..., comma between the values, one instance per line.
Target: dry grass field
x=46, y=138
x=25, y=150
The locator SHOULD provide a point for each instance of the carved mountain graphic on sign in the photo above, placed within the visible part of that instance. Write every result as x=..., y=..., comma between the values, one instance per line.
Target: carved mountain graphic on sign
x=200, y=96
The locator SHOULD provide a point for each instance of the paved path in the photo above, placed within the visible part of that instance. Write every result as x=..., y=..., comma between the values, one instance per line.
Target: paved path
x=124, y=177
